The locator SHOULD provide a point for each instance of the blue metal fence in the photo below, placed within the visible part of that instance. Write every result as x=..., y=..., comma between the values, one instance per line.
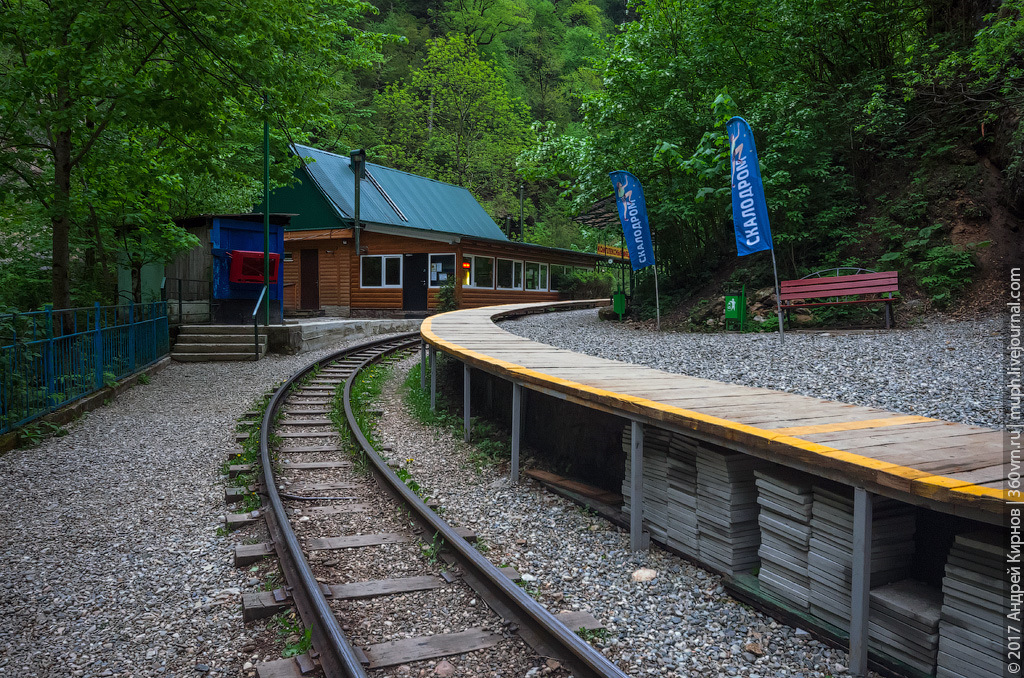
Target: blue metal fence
x=51, y=358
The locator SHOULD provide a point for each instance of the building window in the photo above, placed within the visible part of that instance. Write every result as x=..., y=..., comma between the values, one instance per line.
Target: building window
x=381, y=270
x=508, y=274
x=480, y=272
x=559, y=276
x=287, y=256
x=536, y=276
x=442, y=267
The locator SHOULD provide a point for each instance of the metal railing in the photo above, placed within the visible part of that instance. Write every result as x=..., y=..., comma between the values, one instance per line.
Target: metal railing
x=51, y=358
x=256, y=323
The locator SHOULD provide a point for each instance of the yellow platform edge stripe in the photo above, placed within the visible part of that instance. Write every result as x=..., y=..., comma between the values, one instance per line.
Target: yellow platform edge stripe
x=852, y=425
x=930, y=482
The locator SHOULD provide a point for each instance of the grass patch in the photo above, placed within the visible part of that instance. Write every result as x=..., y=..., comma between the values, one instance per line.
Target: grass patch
x=289, y=627
x=250, y=454
x=490, y=445
x=418, y=401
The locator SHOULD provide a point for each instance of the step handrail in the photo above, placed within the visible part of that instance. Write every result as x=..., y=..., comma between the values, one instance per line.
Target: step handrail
x=255, y=323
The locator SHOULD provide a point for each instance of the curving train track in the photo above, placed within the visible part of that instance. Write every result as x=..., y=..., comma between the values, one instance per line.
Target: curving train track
x=322, y=493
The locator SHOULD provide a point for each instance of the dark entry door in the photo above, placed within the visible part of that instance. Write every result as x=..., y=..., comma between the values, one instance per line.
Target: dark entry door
x=309, y=279
x=414, y=282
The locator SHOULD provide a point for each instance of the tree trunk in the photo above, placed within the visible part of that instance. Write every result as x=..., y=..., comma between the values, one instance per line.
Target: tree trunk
x=136, y=283
x=61, y=220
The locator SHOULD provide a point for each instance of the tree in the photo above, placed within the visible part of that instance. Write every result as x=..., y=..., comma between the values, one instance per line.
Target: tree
x=482, y=21
x=77, y=75
x=455, y=121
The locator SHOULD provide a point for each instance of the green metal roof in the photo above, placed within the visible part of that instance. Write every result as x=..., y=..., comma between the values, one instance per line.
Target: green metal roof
x=394, y=198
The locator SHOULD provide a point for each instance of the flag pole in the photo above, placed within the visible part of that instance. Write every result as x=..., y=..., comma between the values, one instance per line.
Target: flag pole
x=657, y=301
x=778, y=297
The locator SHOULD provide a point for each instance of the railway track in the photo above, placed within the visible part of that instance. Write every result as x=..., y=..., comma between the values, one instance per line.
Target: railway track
x=339, y=540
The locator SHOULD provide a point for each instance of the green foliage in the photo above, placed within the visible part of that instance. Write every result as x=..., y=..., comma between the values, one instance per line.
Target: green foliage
x=406, y=477
x=446, y=299
x=120, y=115
x=585, y=284
x=941, y=270
x=455, y=121
x=591, y=635
x=36, y=432
x=288, y=625
x=831, y=91
x=432, y=551
x=418, y=402
x=366, y=389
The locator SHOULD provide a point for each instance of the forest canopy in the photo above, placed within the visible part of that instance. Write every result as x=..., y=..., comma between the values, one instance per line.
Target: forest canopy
x=117, y=118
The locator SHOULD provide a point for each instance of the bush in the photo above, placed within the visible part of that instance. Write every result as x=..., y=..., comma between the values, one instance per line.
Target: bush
x=584, y=284
x=446, y=300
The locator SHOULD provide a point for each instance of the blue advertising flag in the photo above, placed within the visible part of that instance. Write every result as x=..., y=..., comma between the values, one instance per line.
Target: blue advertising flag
x=629, y=196
x=749, y=210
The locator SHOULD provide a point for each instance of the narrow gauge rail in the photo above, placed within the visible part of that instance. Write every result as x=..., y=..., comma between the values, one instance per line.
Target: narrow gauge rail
x=548, y=636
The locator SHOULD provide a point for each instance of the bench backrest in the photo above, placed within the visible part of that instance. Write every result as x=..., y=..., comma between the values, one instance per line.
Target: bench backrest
x=840, y=286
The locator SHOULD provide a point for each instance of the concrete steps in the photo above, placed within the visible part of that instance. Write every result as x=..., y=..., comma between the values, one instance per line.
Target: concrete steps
x=206, y=343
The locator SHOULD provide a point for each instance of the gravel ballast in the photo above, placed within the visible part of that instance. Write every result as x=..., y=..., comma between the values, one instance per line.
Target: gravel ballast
x=944, y=369
x=681, y=624
x=112, y=561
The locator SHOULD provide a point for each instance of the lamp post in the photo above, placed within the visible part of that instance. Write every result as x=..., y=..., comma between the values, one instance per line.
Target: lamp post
x=358, y=157
x=266, y=215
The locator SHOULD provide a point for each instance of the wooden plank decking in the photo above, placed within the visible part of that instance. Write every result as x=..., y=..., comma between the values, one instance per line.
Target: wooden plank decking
x=950, y=467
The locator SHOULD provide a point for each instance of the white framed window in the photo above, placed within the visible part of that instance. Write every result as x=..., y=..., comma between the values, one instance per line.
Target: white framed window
x=508, y=274
x=442, y=267
x=536, y=276
x=380, y=270
x=479, y=273
x=556, y=272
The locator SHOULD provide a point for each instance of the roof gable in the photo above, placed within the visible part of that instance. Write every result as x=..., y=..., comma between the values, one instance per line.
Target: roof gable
x=415, y=202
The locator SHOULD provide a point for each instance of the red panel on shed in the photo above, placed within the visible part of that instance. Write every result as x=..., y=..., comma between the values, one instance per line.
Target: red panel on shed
x=247, y=267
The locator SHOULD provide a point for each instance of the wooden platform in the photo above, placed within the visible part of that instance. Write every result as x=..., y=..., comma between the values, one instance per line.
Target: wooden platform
x=954, y=468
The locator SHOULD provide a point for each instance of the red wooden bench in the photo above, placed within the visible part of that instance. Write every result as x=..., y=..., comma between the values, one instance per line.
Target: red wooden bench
x=838, y=290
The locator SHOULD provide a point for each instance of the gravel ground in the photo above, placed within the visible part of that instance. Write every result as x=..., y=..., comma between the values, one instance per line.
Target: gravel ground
x=681, y=624
x=947, y=370
x=111, y=561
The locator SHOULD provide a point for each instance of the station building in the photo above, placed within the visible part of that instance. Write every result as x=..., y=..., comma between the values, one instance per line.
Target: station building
x=415, y=233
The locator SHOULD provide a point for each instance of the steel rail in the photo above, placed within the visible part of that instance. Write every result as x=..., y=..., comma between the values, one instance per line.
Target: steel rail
x=332, y=649
x=537, y=625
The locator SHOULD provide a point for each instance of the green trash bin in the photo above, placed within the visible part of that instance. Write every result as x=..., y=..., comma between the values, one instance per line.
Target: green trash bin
x=619, y=303
x=736, y=310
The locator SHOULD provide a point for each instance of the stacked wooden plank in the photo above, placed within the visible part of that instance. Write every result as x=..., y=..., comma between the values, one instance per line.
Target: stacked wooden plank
x=682, y=496
x=830, y=560
x=728, y=533
x=655, y=481
x=904, y=623
x=785, y=497
x=972, y=623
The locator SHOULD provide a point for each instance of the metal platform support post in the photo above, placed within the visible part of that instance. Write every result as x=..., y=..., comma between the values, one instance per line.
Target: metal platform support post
x=423, y=365
x=465, y=402
x=636, y=488
x=860, y=595
x=433, y=378
x=517, y=427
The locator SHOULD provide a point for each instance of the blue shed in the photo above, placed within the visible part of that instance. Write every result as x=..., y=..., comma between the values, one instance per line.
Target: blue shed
x=220, y=280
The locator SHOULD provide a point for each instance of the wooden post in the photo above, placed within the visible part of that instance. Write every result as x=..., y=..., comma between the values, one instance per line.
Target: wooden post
x=465, y=402
x=517, y=427
x=636, y=487
x=423, y=365
x=433, y=378
x=860, y=593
